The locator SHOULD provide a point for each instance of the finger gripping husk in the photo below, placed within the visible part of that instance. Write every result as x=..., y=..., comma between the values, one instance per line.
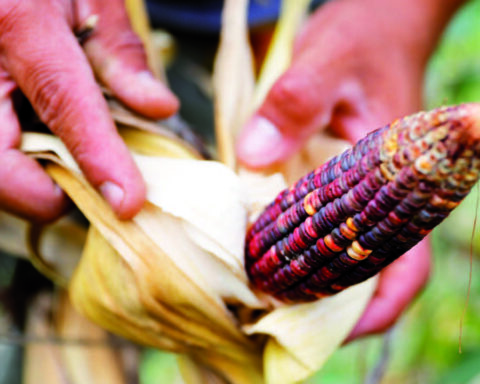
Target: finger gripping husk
x=354, y=215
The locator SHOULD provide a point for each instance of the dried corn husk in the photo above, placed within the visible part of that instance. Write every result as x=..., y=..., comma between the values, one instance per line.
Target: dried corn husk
x=120, y=289
x=137, y=12
x=233, y=79
x=61, y=245
x=165, y=278
x=12, y=235
x=173, y=277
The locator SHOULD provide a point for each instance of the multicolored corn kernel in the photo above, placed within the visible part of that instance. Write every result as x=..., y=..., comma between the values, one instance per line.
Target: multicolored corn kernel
x=354, y=215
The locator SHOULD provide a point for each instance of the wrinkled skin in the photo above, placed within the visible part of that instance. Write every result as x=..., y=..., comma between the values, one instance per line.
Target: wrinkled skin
x=40, y=55
x=358, y=64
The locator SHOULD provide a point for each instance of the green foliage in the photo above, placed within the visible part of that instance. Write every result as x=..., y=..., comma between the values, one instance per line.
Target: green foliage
x=158, y=367
x=453, y=75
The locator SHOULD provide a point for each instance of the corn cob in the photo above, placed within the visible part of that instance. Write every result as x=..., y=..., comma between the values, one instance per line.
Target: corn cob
x=354, y=215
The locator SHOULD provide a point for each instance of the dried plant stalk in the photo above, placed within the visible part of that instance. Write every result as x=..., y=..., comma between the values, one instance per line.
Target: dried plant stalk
x=233, y=79
x=139, y=19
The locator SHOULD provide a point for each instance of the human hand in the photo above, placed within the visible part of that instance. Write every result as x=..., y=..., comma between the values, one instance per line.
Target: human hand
x=40, y=55
x=357, y=65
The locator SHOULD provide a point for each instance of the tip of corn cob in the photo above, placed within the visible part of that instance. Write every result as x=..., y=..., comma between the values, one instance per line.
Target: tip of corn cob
x=355, y=214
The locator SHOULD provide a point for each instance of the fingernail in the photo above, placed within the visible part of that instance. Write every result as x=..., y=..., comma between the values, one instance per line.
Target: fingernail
x=261, y=143
x=113, y=194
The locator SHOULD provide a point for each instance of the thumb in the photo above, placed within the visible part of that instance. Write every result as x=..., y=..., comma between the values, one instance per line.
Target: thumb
x=298, y=104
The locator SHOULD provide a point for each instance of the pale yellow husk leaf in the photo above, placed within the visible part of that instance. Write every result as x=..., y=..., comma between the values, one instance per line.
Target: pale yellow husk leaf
x=305, y=335
x=194, y=373
x=56, y=251
x=63, y=242
x=233, y=79
x=12, y=235
x=138, y=16
x=131, y=286
x=192, y=197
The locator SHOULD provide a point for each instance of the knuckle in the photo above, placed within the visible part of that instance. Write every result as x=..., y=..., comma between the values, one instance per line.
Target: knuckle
x=295, y=96
x=286, y=90
x=51, y=95
x=10, y=12
x=45, y=92
x=127, y=43
x=115, y=29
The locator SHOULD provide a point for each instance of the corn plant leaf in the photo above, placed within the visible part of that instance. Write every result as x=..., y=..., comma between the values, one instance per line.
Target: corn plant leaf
x=55, y=251
x=119, y=309
x=289, y=368
x=148, y=138
x=241, y=369
x=166, y=294
x=194, y=373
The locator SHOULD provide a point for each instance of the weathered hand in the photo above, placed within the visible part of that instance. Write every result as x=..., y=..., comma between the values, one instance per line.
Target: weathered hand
x=357, y=65
x=40, y=55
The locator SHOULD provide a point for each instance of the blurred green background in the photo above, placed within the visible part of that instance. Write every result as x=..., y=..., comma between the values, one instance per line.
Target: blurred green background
x=424, y=346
